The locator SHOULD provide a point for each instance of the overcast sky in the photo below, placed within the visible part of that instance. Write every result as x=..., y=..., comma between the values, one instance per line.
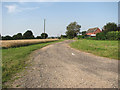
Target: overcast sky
x=20, y=16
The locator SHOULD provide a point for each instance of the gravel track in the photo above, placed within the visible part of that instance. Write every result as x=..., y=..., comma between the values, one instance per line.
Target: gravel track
x=59, y=66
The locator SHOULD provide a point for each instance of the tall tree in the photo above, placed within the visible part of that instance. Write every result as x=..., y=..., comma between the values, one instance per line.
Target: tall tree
x=44, y=35
x=28, y=35
x=72, y=30
x=110, y=27
x=17, y=36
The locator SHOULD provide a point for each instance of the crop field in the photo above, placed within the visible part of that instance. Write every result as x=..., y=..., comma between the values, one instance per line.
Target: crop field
x=17, y=43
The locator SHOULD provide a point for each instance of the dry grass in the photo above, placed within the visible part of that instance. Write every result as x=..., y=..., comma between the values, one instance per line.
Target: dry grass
x=17, y=43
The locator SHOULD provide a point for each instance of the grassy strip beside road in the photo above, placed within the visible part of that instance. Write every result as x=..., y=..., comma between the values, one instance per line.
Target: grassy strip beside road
x=98, y=47
x=13, y=59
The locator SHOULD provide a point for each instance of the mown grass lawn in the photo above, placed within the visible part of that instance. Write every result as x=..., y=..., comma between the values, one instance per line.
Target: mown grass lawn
x=13, y=59
x=98, y=47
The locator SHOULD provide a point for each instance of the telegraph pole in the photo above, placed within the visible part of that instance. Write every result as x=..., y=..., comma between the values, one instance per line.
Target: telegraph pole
x=44, y=25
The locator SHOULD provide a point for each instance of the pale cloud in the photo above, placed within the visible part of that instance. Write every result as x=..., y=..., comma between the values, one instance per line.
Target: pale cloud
x=11, y=8
x=16, y=9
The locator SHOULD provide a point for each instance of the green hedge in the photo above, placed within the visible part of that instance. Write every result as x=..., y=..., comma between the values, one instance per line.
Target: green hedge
x=80, y=36
x=113, y=35
x=101, y=36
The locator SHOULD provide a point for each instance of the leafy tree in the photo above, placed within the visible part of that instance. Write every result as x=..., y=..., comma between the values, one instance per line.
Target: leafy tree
x=110, y=27
x=14, y=37
x=0, y=37
x=28, y=35
x=18, y=36
x=7, y=37
x=44, y=35
x=71, y=34
x=83, y=32
x=118, y=27
x=72, y=30
x=38, y=37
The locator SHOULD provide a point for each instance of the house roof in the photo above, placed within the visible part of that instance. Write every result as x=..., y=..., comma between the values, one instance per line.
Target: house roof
x=91, y=30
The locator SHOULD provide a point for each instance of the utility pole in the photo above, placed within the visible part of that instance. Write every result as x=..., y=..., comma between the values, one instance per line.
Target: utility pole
x=44, y=25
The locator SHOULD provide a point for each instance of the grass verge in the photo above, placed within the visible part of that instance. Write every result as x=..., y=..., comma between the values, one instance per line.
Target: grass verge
x=13, y=59
x=98, y=47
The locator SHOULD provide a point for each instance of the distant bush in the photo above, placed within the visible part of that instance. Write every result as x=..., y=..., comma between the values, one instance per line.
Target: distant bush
x=38, y=37
x=113, y=35
x=83, y=32
x=101, y=36
x=59, y=37
x=91, y=38
x=44, y=35
x=28, y=35
x=17, y=36
x=63, y=36
x=7, y=37
x=80, y=36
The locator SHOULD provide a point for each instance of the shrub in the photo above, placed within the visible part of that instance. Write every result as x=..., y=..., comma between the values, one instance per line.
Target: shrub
x=38, y=37
x=63, y=36
x=113, y=35
x=101, y=36
x=80, y=36
x=91, y=38
x=83, y=32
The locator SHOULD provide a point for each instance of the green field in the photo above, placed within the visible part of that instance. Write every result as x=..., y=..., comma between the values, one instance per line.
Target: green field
x=14, y=59
x=102, y=48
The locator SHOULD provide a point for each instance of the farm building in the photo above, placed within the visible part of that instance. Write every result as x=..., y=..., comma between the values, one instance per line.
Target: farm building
x=93, y=31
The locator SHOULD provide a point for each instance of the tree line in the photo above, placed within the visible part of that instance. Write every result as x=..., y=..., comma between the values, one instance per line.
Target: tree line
x=110, y=32
x=27, y=35
x=73, y=30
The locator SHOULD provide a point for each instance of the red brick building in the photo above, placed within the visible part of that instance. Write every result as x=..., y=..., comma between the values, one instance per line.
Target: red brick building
x=93, y=31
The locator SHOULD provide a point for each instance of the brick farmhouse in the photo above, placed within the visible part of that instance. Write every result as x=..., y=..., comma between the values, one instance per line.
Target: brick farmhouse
x=93, y=31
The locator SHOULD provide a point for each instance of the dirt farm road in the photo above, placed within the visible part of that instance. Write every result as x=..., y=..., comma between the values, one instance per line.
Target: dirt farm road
x=59, y=66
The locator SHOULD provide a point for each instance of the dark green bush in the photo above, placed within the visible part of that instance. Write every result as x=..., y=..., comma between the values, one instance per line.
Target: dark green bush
x=91, y=38
x=101, y=36
x=44, y=35
x=80, y=36
x=113, y=35
x=17, y=36
x=28, y=35
x=38, y=37
x=63, y=36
